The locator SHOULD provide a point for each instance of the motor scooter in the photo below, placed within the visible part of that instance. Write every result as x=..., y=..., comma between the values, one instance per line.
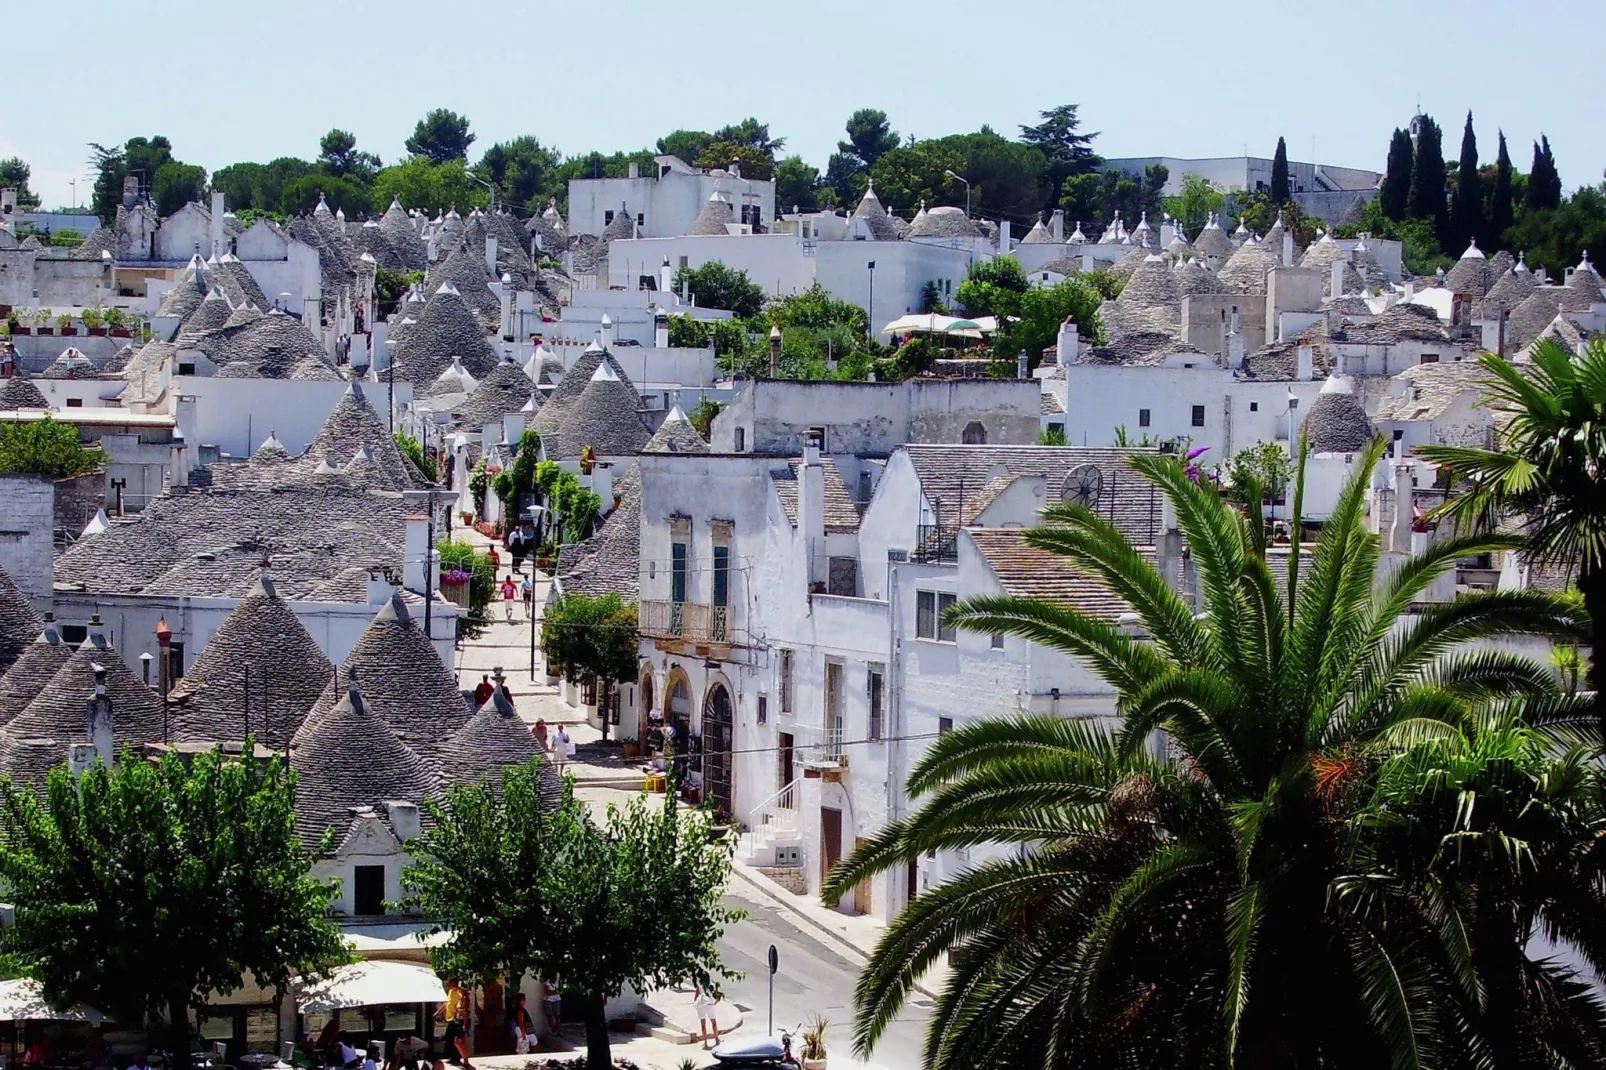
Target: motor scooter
x=759, y=1053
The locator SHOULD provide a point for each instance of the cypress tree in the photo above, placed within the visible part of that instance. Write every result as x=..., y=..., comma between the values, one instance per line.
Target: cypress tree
x=1427, y=198
x=1467, y=219
x=1279, y=174
x=1500, y=217
x=1396, y=189
x=1544, y=183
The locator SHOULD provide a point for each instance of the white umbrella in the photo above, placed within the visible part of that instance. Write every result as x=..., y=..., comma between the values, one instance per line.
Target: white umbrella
x=373, y=982
x=23, y=1001
x=932, y=323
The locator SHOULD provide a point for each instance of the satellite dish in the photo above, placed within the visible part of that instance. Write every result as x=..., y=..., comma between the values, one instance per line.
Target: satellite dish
x=1083, y=485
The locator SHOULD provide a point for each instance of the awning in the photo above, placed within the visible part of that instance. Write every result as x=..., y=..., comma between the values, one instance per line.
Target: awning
x=22, y=1001
x=932, y=323
x=371, y=983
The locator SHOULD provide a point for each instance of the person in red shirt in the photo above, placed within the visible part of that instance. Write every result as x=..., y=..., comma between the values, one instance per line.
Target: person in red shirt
x=510, y=593
x=483, y=691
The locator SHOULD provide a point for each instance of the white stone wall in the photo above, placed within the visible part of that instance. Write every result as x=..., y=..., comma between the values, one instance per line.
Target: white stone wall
x=27, y=521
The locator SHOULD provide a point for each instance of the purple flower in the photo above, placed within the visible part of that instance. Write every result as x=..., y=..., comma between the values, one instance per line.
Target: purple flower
x=1197, y=451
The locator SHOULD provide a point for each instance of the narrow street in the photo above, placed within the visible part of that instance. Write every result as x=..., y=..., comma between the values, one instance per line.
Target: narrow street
x=813, y=978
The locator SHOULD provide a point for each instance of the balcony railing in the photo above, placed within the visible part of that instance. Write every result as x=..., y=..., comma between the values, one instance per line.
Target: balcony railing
x=690, y=621
x=935, y=544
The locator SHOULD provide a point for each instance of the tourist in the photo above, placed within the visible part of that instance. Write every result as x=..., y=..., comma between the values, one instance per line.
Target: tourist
x=519, y=1026
x=510, y=591
x=454, y=1012
x=483, y=691
x=562, y=746
x=706, y=998
x=350, y=1057
x=527, y=592
x=540, y=734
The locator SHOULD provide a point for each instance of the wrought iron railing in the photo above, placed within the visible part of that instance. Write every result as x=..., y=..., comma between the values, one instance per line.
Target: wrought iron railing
x=692, y=621
x=935, y=544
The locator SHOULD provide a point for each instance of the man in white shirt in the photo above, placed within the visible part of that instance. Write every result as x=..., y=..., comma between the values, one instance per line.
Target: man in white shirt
x=562, y=746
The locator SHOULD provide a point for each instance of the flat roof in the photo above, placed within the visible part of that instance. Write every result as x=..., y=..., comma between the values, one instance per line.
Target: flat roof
x=102, y=416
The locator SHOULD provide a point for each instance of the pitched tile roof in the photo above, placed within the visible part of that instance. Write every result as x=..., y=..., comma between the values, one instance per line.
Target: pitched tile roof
x=841, y=515
x=1025, y=571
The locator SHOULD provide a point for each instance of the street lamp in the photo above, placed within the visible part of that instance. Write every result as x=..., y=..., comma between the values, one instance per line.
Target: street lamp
x=957, y=178
x=869, y=327
x=488, y=186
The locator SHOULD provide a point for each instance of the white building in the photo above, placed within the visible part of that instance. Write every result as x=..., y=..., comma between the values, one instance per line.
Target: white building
x=665, y=202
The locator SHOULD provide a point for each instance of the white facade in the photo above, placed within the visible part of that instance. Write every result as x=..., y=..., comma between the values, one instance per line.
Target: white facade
x=665, y=200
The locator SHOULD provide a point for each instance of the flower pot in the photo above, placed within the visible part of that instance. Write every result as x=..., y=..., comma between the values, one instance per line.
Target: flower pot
x=121, y=332
x=22, y=330
x=68, y=332
x=813, y=1064
x=627, y=750
x=44, y=331
x=97, y=332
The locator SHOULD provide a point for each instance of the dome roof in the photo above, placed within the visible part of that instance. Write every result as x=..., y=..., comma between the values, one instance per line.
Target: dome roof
x=1337, y=422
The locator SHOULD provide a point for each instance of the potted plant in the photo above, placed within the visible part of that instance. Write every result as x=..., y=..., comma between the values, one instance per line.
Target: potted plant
x=94, y=321
x=117, y=323
x=41, y=322
x=628, y=747
x=812, y=1050
x=64, y=323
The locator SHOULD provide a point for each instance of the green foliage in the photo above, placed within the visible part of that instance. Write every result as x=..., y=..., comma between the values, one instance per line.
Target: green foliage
x=1066, y=150
x=441, y=136
x=390, y=286
x=702, y=417
x=1419, y=242
x=686, y=144
x=1258, y=472
x=591, y=638
x=870, y=137
x=1099, y=196
x=413, y=451
x=1429, y=181
x=479, y=482
x=427, y=186
x=1298, y=833
x=1544, y=181
x=66, y=239
x=149, y=889
x=1192, y=207
x=1007, y=178
x=338, y=155
x=1107, y=284
x=993, y=288
x=463, y=557
x=1500, y=200
x=524, y=171
x=1466, y=209
x=1042, y=309
x=716, y=286
x=797, y=186
x=1558, y=238
x=688, y=333
x=177, y=184
x=1052, y=436
x=517, y=886
x=1281, y=193
x=14, y=174
x=1394, y=195
x=258, y=187
x=46, y=448
x=931, y=297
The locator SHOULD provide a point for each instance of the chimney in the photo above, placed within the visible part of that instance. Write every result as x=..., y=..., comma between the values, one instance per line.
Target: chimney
x=80, y=758
x=775, y=351
x=1022, y=365
x=1003, y=237
x=100, y=717
x=736, y=167
x=403, y=818
x=1056, y=226
x=429, y=247
x=811, y=506
x=416, y=552
x=507, y=305
x=490, y=255
x=1068, y=343
x=512, y=427
x=635, y=169
x=1305, y=363
x=164, y=646
x=1235, y=343
x=130, y=191
x=1288, y=248
x=217, y=224
x=602, y=486
x=379, y=587
x=666, y=277
x=1404, y=499
x=607, y=331
x=660, y=329
x=1337, y=283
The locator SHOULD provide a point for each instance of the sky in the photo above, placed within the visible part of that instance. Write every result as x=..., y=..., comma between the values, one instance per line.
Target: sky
x=227, y=82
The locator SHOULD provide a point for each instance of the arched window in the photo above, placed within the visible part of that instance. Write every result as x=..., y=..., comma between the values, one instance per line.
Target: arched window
x=974, y=434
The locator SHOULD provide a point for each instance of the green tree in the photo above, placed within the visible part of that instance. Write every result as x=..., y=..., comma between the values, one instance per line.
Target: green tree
x=413, y=451
x=1006, y=177
x=14, y=174
x=523, y=170
x=150, y=888
x=1174, y=908
x=146, y=156
x=177, y=184
x=1193, y=206
x=1258, y=472
x=1428, y=182
x=755, y=163
x=338, y=155
x=1394, y=194
x=45, y=447
x=111, y=167
x=520, y=887
x=300, y=196
x=716, y=286
x=686, y=144
x=1042, y=310
x=1545, y=470
x=1557, y=238
x=702, y=417
x=1098, y=197
x=1544, y=181
x=993, y=288
x=1067, y=150
x=591, y=639
x=259, y=186
x=1280, y=191
x=753, y=134
x=870, y=137
x=797, y=186
x=1466, y=216
x=441, y=136
x=1500, y=203
x=428, y=187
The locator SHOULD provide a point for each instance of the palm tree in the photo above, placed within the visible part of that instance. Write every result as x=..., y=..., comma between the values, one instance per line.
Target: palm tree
x=1170, y=906
x=1550, y=470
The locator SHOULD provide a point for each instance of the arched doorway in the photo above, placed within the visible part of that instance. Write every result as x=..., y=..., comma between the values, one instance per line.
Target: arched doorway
x=974, y=434
x=719, y=733
x=677, y=711
x=644, y=693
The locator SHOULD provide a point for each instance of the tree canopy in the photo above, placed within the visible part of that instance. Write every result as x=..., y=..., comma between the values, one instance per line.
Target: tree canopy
x=1281, y=192
x=716, y=286
x=14, y=174
x=46, y=448
x=1067, y=150
x=441, y=136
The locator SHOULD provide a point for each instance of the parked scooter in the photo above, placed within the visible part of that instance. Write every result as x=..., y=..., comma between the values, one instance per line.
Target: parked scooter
x=763, y=1052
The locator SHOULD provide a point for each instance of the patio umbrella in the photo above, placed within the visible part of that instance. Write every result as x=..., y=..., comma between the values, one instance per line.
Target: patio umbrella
x=22, y=1000
x=933, y=323
x=373, y=982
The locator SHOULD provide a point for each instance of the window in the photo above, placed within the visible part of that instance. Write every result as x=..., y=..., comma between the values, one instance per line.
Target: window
x=945, y=725
x=75, y=403
x=722, y=575
x=1143, y=417
x=998, y=640
x=368, y=890
x=685, y=261
x=929, y=608
x=741, y=439
x=677, y=572
x=1430, y=358
x=607, y=217
x=815, y=436
x=186, y=369
x=763, y=709
x=786, y=681
x=1198, y=416
x=974, y=434
x=641, y=219
x=1254, y=406
x=874, y=684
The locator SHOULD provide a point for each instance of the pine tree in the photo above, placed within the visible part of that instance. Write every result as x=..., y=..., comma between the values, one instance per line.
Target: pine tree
x=1544, y=184
x=1467, y=219
x=1280, y=193
x=1427, y=199
x=1396, y=190
x=1500, y=217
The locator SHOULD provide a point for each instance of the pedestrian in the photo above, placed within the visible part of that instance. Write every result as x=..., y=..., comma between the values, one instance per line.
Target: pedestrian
x=496, y=558
x=350, y=1057
x=527, y=590
x=407, y=1052
x=517, y=548
x=483, y=691
x=540, y=734
x=706, y=998
x=142, y=1061
x=562, y=746
x=454, y=1012
x=552, y=1005
x=520, y=1027
x=509, y=592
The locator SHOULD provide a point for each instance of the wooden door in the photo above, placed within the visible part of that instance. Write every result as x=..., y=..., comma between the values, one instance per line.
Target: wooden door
x=861, y=891
x=785, y=771
x=830, y=840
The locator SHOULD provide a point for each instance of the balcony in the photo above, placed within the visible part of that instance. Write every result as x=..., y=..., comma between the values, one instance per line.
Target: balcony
x=691, y=622
x=935, y=545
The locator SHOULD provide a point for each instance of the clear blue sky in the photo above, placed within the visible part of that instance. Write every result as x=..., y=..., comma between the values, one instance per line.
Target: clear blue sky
x=1157, y=77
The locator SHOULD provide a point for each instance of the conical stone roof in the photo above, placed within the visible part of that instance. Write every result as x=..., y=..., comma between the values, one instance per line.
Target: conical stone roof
x=1511, y=288
x=446, y=327
x=603, y=417
x=1213, y=241
x=261, y=669
x=1246, y=269
x=243, y=282
x=407, y=685
x=1337, y=422
x=505, y=390
x=1152, y=285
x=1470, y=275
x=676, y=435
x=20, y=393
x=1584, y=282
x=348, y=758
x=406, y=246
x=623, y=224
x=492, y=740
x=211, y=314
x=1038, y=235
x=1192, y=278
x=465, y=269
x=875, y=217
x=572, y=384
x=19, y=624
x=354, y=425
x=275, y=343
x=712, y=218
x=190, y=288
x=34, y=668
x=1533, y=314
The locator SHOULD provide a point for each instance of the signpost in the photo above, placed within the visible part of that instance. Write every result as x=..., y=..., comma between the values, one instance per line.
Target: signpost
x=775, y=962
